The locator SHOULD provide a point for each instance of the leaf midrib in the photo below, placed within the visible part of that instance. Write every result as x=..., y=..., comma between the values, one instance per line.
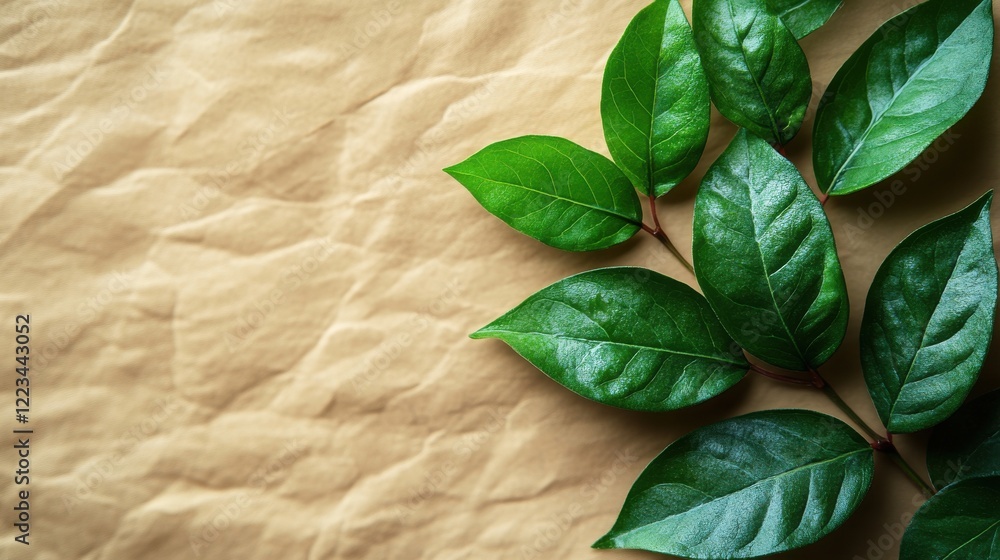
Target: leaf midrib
x=794, y=8
x=966, y=543
x=612, y=342
x=550, y=195
x=843, y=456
x=926, y=327
x=876, y=120
x=756, y=83
x=652, y=111
x=763, y=261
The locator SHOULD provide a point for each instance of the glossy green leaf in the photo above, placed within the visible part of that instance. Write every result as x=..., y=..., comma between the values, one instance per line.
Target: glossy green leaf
x=915, y=77
x=929, y=319
x=626, y=337
x=765, y=257
x=757, y=73
x=745, y=487
x=962, y=522
x=655, y=103
x=967, y=444
x=802, y=17
x=553, y=190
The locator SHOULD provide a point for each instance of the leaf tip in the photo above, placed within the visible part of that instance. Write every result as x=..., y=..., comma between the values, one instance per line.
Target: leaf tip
x=605, y=543
x=981, y=207
x=987, y=199
x=482, y=333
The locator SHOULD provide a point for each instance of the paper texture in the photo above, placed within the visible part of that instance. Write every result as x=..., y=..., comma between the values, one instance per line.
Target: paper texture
x=250, y=284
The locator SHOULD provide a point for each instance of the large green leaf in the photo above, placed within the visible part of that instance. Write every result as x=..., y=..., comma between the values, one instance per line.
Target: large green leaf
x=745, y=487
x=655, y=103
x=626, y=337
x=553, y=190
x=929, y=319
x=802, y=17
x=765, y=257
x=757, y=73
x=962, y=522
x=915, y=77
x=967, y=444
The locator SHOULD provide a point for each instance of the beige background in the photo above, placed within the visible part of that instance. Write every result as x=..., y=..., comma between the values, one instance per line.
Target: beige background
x=250, y=283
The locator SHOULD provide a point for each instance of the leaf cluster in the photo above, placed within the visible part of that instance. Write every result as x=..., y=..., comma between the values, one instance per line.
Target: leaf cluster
x=772, y=290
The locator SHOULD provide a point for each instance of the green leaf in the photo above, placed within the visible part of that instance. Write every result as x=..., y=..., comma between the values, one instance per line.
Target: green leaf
x=962, y=522
x=757, y=73
x=967, y=445
x=765, y=257
x=802, y=17
x=915, y=77
x=627, y=337
x=655, y=103
x=929, y=319
x=553, y=190
x=745, y=487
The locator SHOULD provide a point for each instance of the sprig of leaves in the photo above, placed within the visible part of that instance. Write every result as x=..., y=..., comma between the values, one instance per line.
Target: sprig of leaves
x=766, y=260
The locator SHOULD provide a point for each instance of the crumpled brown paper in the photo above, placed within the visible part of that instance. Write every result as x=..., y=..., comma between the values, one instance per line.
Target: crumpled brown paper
x=250, y=284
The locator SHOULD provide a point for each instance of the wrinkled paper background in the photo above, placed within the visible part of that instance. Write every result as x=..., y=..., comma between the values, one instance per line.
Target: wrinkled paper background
x=250, y=283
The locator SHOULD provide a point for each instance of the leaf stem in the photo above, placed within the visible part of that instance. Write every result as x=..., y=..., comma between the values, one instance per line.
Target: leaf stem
x=652, y=210
x=893, y=454
x=659, y=234
x=820, y=383
x=823, y=199
x=779, y=377
x=882, y=444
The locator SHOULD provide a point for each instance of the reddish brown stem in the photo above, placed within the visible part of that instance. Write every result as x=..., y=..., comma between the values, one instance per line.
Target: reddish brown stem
x=652, y=210
x=779, y=377
x=659, y=234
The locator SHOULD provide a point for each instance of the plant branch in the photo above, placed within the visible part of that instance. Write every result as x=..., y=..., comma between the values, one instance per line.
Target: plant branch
x=823, y=199
x=659, y=234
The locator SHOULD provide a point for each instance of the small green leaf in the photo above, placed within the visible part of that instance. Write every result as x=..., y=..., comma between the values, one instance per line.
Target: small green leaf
x=627, y=337
x=967, y=445
x=802, y=17
x=655, y=103
x=553, y=190
x=757, y=73
x=765, y=257
x=749, y=486
x=961, y=522
x=915, y=77
x=929, y=319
